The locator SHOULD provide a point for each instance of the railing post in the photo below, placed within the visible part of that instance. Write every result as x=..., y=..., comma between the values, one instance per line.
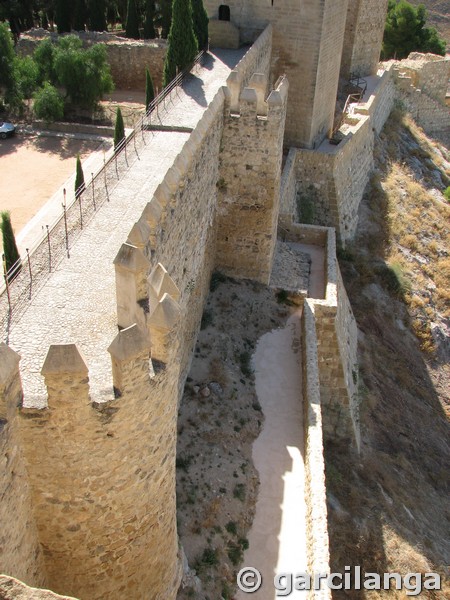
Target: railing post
x=115, y=159
x=65, y=224
x=93, y=191
x=134, y=142
x=104, y=174
x=81, y=210
x=49, y=251
x=29, y=267
x=5, y=273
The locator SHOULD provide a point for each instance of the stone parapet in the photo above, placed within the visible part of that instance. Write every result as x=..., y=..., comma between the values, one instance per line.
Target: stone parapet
x=21, y=552
x=317, y=540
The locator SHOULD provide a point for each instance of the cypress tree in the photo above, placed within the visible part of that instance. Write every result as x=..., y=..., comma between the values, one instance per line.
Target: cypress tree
x=166, y=17
x=149, y=28
x=149, y=89
x=97, y=15
x=80, y=15
x=132, y=25
x=79, y=178
x=119, y=130
x=63, y=16
x=182, y=41
x=9, y=246
x=200, y=19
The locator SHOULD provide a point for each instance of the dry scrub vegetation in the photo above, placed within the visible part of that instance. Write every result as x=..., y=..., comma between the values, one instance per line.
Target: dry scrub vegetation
x=389, y=507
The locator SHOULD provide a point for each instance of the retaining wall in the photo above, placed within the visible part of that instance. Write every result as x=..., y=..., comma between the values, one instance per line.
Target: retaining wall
x=317, y=540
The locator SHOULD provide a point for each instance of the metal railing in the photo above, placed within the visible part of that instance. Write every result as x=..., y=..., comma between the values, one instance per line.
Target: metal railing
x=360, y=87
x=29, y=273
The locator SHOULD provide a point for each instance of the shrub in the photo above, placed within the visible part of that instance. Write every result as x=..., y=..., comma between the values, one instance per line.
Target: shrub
x=447, y=193
x=85, y=74
x=149, y=89
x=394, y=279
x=239, y=491
x=48, y=103
x=44, y=56
x=119, y=129
x=10, y=250
x=79, y=178
x=27, y=73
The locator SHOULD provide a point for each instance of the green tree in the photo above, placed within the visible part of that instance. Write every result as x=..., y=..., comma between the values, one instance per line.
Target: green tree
x=200, y=20
x=27, y=74
x=79, y=178
x=97, y=15
x=44, y=57
x=132, y=24
x=119, y=129
x=10, y=251
x=149, y=89
x=48, y=103
x=165, y=17
x=406, y=31
x=80, y=15
x=84, y=74
x=149, y=27
x=7, y=56
x=182, y=41
x=63, y=15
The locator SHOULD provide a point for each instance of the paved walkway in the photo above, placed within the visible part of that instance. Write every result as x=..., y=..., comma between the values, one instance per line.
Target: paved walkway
x=77, y=304
x=277, y=539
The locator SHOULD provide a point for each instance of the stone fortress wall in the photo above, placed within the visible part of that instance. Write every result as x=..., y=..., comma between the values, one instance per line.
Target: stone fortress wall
x=79, y=518
x=101, y=477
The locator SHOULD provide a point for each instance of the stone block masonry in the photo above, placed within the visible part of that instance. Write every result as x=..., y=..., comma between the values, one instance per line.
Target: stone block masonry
x=332, y=179
x=363, y=37
x=20, y=551
x=249, y=184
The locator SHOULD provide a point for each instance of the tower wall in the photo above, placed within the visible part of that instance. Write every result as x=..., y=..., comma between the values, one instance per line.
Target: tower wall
x=363, y=37
x=250, y=171
x=307, y=45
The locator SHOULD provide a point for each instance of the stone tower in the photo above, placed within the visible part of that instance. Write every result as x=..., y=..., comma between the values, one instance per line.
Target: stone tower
x=308, y=37
x=363, y=36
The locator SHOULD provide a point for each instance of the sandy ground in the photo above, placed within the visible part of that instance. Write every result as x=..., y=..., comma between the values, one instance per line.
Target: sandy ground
x=33, y=168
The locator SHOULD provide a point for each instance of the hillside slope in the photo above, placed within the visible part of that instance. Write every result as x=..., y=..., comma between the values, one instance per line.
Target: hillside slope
x=438, y=15
x=388, y=507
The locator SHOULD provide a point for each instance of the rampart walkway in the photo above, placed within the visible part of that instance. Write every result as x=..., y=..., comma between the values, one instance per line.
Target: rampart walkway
x=77, y=303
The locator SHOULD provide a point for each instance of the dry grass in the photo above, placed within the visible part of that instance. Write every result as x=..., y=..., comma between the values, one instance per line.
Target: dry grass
x=388, y=507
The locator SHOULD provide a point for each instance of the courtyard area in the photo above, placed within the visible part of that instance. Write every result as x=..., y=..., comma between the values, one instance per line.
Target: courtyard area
x=33, y=169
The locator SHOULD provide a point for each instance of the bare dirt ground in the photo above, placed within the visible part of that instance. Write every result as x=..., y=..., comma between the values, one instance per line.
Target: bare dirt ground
x=219, y=418
x=32, y=169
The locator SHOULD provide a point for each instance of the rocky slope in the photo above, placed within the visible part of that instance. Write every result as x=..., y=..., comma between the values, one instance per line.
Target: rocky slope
x=388, y=507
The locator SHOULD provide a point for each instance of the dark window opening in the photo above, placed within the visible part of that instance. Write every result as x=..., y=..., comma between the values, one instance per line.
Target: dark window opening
x=224, y=12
